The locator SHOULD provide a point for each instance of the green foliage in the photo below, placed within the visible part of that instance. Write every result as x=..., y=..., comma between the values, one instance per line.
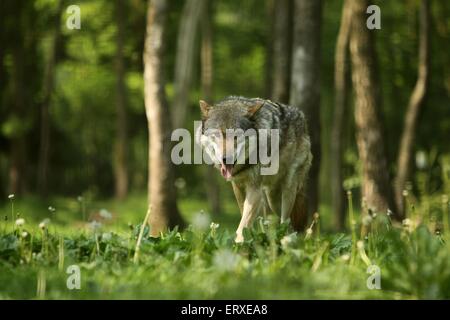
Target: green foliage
x=204, y=262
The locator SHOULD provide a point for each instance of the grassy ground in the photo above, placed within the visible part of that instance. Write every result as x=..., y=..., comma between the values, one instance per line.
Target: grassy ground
x=204, y=262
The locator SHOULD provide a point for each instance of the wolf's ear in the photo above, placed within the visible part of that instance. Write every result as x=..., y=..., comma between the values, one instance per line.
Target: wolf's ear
x=254, y=108
x=204, y=108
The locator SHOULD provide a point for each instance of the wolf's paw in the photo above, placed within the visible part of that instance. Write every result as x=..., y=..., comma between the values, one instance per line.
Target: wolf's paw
x=239, y=238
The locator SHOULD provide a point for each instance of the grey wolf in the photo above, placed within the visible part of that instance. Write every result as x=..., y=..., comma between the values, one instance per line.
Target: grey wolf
x=282, y=193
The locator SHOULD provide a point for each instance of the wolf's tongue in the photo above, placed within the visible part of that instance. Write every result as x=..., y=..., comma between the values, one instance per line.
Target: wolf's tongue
x=226, y=170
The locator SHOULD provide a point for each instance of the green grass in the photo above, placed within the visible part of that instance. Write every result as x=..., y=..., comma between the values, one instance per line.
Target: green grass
x=204, y=262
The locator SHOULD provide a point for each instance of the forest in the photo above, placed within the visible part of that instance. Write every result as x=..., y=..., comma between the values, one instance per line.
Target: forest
x=93, y=207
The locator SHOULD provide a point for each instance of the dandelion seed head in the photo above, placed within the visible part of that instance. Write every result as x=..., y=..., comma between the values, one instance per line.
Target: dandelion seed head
x=288, y=240
x=105, y=214
x=95, y=225
x=367, y=220
x=106, y=236
x=20, y=222
x=360, y=244
x=201, y=221
x=225, y=260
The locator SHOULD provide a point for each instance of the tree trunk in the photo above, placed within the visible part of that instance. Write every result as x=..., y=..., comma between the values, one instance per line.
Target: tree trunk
x=210, y=176
x=305, y=82
x=281, y=50
x=49, y=79
x=369, y=131
x=120, y=149
x=341, y=85
x=415, y=104
x=18, y=146
x=185, y=59
x=161, y=188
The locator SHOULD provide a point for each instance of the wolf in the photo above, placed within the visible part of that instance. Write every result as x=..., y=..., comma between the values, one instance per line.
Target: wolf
x=281, y=193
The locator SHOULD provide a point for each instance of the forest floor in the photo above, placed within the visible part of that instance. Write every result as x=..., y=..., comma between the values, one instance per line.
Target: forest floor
x=40, y=258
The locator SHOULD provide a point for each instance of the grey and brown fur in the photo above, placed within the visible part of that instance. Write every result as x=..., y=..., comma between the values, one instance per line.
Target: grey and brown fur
x=282, y=193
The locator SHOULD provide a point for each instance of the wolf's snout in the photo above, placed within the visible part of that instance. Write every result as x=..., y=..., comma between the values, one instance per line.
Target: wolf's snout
x=227, y=160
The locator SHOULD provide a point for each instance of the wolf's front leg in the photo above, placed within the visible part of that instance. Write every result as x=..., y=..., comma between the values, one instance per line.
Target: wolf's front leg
x=252, y=206
x=287, y=201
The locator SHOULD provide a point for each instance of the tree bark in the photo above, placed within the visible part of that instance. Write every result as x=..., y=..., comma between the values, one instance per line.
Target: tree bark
x=185, y=59
x=305, y=82
x=281, y=50
x=121, y=147
x=18, y=147
x=415, y=104
x=49, y=79
x=161, y=188
x=368, y=117
x=341, y=69
x=212, y=186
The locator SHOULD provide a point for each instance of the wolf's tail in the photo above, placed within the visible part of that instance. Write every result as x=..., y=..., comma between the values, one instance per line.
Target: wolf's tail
x=299, y=214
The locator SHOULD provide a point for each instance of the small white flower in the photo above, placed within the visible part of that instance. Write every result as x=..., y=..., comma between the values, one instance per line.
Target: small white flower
x=405, y=193
x=105, y=214
x=389, y=212
x=51, y=209
x=214, y=226
x=309, y=231
x=345, y=257
x=225, y=260
x=44, y=223
x=201, y=221
x=11, y=196
x=406, y=222
x=24, y=234
x=20, y=222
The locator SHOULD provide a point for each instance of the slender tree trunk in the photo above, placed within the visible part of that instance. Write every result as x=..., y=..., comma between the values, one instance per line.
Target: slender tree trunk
x=120, y=149
x=49, y=79
x=281, y=50
x=18, y=146
x=369, y=131
x=161, y=188
x=268, y=65
x=305, y=82
x=210, y=177
x=416, y=102
x=341, y=85
x=185, y=59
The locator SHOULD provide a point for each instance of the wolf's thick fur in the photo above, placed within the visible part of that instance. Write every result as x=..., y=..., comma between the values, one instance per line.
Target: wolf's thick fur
x=282, y=193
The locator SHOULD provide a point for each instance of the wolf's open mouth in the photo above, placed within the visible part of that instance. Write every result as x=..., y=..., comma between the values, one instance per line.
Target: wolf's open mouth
x=227, y=170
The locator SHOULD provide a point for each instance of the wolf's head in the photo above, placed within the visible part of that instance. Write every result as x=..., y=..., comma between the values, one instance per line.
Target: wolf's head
x=229, y=135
